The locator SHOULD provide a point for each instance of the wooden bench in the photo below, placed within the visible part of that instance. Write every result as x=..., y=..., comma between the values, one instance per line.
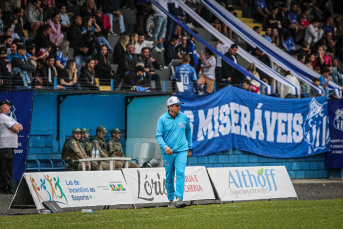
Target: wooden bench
x=111, y=159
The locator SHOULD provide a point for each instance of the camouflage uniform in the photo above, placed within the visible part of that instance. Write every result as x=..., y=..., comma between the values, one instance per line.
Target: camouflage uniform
x=116, y=150
x=102, y=147
x=71, y=153
x=87, y=147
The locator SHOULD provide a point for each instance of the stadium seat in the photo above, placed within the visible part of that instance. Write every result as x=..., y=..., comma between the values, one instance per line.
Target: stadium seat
x=144, y=152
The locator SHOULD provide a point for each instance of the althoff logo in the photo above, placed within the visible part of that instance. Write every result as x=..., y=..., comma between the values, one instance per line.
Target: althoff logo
x=245, y=182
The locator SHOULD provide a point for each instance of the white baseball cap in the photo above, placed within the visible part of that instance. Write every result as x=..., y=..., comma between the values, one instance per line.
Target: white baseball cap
x=173, y=101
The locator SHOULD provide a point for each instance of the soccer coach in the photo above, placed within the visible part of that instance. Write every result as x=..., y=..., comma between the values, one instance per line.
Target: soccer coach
x=174, y=135
x=9, y=129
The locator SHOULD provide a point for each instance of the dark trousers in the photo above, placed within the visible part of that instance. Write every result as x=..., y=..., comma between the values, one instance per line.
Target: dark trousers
x=155, y=77
x=6, y=168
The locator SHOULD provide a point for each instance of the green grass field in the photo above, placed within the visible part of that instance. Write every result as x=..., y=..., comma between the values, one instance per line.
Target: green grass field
x=266, y=214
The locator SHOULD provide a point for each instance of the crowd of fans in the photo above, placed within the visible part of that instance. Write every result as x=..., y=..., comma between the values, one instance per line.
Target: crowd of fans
x=41, y=60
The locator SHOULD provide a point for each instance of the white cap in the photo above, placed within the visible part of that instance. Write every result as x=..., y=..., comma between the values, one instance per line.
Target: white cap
x=173, y=101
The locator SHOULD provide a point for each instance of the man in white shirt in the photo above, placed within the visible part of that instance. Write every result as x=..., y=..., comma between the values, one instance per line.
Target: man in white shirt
x=9, y=128
x=142, y=43
x=207, y=71
x=222, y=48
x=312, y=34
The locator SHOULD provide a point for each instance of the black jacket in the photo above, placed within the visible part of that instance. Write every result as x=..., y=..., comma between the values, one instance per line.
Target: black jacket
x=86, y=78
x=102, y=70
x=169, y=53
x=117, y=53
x=44, y=74
x=5, y=75
x=23, y=65
x=230, y=71
x=147, y=63
x=74, y=31
x=132, y=80
x=40, y=41
x=126, y=64
x=81, y=42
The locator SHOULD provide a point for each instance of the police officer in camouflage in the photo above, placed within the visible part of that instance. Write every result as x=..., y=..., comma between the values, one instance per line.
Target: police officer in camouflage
x=72, y=152
x=87, y=147
x=100, y=143
x=114, y=147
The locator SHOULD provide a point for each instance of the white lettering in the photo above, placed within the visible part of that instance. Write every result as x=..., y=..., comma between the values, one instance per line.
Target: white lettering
x=235, y=118
x=281, y=136
x=205, y=125
x=224, y=118
x=245, y=121
x=270, y=125
x=297, y=127
x=257, y=126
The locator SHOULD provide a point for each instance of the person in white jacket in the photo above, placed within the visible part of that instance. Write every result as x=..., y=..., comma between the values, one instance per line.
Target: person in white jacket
x=286, y=90
x=312, y=33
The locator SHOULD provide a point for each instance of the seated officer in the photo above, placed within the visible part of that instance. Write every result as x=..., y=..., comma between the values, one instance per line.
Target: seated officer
x=114, y=147
x=87, y=147
x=72, y=152
x=100, y=144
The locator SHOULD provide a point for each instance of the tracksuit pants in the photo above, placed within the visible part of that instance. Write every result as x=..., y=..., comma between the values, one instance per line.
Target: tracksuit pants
x=175, y=163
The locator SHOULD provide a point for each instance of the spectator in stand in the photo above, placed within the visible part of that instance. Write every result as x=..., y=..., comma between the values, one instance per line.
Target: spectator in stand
x=103, y=67
x=140, y=6
x=314, y=10
x=186, y=75
x=48, y=82
x=182, y=46
x=7, y=41
x=144, y=43
x=312, y=34
x=327, y=41
x=294, y=25
x=90, y=24
x=44, y=52
x=222, y=48
x=5, y=69
x=288, y=43
x=192, y=51
x=325, y=78
x=170, y=52
x=75, y=29
x=84, y=48
x=336, y=76
x=335, y=64
x=160, y=21
x=31, y=54
x=133, y=38
x=120, y=48
x=13, y=52
x=272, y=21
x=18, y=13
x=8, y=32
x=259, y=10
x=22, y=69
x=268, y=34
x=264, y=58
x=43, y=37
x=87, y=77
x=303, y=18
x=248, y=87
x=87, y=9
x=174, y=9
x=301, y=58
x=134, y=78
x=65, y=22
x=67, y=77
x=282, y=16
x=276, y=38
x=252, y=69
x=109, y=8
x=286, y=91
x=34, y=17
x=62, y=55
x=304, y=50
x=207, y=71
x=229, y=74
x=322, y=59
x=56, y=35
x=313, y=91
x=329, y=26
x=150, y=72
x=41, y=73
x=310, y=60
x=127, y=62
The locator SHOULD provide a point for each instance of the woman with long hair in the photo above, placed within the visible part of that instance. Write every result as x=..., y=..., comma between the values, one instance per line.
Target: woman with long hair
x=120, y=47
x=90, y=24
x=275, y=37
x=252, y=69
x=62, y=55
x=322, y=59
x=56, y=35
x=103, y=68
x=87, y=77
x=134, y=38
x=67, y=77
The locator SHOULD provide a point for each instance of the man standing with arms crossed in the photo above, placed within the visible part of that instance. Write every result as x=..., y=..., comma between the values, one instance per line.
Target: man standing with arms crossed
x=9, y=129
x=174, y=135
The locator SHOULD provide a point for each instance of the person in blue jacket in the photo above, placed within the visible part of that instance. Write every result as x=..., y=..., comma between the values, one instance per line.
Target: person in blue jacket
x=288, y=43
x=174, y=135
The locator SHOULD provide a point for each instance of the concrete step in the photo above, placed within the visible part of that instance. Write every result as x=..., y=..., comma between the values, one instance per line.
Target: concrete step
x=204, y=34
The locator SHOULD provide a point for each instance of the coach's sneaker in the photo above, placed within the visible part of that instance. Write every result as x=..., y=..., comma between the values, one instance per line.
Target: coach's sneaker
x=171, y=204
x=179, y=203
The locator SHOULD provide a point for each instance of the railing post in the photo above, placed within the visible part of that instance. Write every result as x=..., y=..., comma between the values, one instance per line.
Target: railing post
x=306, y=91
x=164, y=86
x=55, y=83
x=112, y=84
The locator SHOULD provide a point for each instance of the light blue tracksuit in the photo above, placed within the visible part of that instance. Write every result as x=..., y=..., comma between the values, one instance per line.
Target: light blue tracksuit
x=177, y=135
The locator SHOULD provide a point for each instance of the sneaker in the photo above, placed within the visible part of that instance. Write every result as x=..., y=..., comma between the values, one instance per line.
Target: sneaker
x=165, y=68
x=162, y=49
x=157, y=50
x=190, y=25
x=179, y=203
x=171, y=204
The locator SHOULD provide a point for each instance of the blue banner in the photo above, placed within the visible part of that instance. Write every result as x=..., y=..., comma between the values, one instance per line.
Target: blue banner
x=334, y=158
x=21, y=111
x=233, y=118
